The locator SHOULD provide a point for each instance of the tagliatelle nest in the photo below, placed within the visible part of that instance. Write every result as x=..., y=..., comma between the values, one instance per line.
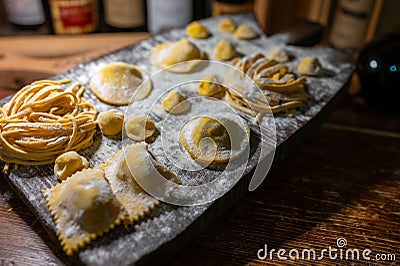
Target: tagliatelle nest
x=283, y=91
x=44, y=120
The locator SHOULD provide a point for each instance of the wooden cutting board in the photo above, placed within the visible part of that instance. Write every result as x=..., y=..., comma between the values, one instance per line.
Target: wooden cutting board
x=23, y=61
x=169, y=228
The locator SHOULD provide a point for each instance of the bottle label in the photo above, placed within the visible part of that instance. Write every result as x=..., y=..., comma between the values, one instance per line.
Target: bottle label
x=164, y=15
x=124, y=13
x=25, y=12
x=76, y=16
x=219, y=8
x=351, y=23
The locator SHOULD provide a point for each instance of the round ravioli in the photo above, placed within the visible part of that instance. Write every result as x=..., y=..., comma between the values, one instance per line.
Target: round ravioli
x=210, y=140
x=169, y=55
x=118, y=83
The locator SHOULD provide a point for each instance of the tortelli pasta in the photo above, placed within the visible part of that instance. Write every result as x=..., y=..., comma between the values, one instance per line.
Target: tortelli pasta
x=44, y=120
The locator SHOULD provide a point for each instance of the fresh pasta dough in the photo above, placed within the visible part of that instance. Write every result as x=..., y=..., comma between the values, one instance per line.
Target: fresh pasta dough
x=84, y=208
x=120, y=83
x=44, y=120
x=175, y=103
x=168, y=55
x=278, y=54
x=210, y=87
x=140, y=128
x=224, y=50
x=244, y=32
x=134, y=159
x=214, y=140
x=197, y=30
x=309, y=66
x=93, y=201
x=226, y=26
x=110, y=122
x=68, y=164
x=283, y=90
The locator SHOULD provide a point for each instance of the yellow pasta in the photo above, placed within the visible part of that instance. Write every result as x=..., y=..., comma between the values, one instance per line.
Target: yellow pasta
x=44, y=120
x=283, y=91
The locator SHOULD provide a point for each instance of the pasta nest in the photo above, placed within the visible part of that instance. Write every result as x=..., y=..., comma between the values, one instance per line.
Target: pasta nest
x=281, y=91
x=44, y=120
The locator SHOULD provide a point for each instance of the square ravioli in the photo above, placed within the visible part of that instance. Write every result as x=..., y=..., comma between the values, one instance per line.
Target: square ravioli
x=135, y=200
x=83, y=207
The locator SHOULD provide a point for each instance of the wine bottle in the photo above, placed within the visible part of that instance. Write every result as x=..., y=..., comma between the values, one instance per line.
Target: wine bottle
x=201, y=9
x=164, y=15
x=350, y=23
x=125, y=15
x=226, y=7
x=25, y=14
x=74, y=16
x=379, y=70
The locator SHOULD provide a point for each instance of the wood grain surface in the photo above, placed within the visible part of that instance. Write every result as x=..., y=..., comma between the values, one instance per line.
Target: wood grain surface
x=166, y=230
x=343, y=182
x=23, y=60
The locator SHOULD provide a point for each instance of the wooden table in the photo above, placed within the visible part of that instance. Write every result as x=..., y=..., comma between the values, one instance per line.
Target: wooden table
x=341, y=183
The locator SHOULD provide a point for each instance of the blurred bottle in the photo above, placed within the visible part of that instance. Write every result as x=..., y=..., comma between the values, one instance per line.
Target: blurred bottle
x=25, y=14
x=379, y=70
x=350, y=23
x=74, y=16
x=201, y=9
x=2, y=13
x=226, y=7
x=125, y=15
x=167, y=14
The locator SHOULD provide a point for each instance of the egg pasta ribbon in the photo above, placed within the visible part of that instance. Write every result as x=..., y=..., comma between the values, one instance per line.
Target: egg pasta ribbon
x=44, y=120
